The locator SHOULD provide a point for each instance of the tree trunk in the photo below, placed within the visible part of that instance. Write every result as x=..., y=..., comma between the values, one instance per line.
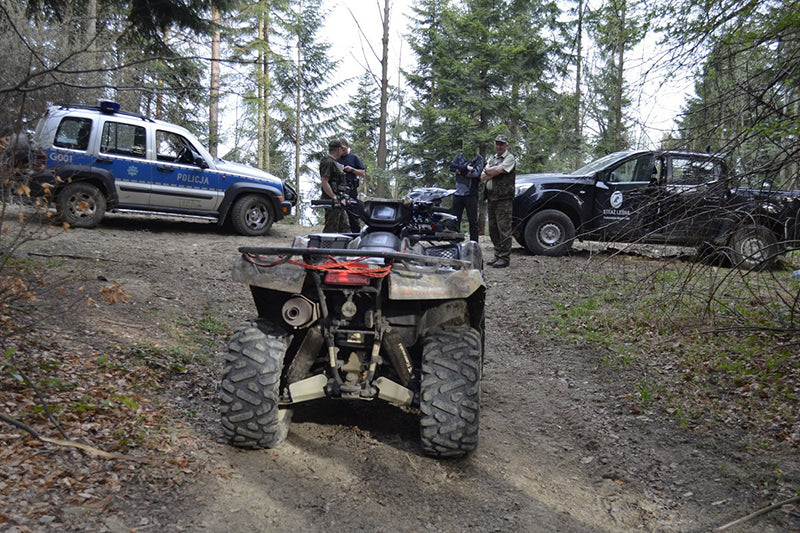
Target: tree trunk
x=380, y=185
x=298, y=103
x=618, y=142
x=261, y=109
x=578, y=66
x=213, y=107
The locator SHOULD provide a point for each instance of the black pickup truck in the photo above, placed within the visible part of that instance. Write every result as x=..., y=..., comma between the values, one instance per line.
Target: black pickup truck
x=665, y=197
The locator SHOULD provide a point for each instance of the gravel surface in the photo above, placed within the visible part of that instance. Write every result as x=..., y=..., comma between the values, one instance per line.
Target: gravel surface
x=563, y=446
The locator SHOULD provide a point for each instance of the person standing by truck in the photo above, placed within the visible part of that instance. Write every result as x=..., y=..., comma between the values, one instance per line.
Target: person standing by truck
x=332, y=181
x=353, y=170
x=499, y=175
x=468, y=181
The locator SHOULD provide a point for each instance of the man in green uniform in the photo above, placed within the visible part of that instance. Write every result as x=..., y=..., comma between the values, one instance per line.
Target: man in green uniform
x=333, y=180
x=500, y=177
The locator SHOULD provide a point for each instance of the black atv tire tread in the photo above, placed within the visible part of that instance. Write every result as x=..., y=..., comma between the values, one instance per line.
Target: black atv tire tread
x=250, y=387
x=450, y=392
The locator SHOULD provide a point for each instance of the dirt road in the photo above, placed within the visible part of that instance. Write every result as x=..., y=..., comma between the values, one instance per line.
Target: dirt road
x=562, y=448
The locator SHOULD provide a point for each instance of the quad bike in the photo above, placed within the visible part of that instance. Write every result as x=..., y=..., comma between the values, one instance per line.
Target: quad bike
x=394, y=313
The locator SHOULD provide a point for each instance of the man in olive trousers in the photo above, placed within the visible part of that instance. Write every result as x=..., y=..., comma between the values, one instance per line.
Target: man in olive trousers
x=500, y=176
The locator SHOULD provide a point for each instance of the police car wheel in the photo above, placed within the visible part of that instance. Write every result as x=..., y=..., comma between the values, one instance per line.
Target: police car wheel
x=81, y=205
x=252, y=215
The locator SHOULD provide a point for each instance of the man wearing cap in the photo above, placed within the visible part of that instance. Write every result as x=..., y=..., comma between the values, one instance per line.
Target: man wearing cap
x=500, y=176
x=353, y=170
x=332, y=179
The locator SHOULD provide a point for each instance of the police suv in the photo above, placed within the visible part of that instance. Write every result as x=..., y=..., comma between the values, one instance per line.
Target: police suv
x=98, y=158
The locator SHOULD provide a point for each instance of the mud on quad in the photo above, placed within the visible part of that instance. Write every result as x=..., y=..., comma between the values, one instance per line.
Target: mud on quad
x=394, y=313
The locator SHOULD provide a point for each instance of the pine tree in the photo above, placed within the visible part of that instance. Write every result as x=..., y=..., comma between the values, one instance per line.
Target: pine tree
x=616, y=28
x=305, y=119
x=363, y=126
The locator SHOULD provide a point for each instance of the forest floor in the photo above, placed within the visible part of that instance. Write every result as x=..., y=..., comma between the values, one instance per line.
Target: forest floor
x=125, y=342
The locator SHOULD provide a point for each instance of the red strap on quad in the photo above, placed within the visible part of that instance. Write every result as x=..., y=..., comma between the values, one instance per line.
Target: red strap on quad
x=354, y=266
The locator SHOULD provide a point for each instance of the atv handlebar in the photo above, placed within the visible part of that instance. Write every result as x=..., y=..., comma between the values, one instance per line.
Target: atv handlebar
x=338, y=202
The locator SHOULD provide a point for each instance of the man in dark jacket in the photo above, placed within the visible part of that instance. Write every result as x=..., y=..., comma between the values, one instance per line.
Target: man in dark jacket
x=353, y=170
x=500, y=177
x=468, y=181
x=333, y=182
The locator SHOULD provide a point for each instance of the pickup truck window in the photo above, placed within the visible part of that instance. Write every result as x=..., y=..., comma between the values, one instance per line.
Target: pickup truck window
x=639, y=169
x=694, y=172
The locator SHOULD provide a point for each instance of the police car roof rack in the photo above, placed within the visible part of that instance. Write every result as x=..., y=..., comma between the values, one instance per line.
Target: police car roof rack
x=106, y=107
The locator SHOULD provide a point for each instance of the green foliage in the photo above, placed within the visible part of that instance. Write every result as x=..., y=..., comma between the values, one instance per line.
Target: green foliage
x=746, y=85
x=210, y=323
x=702, y=341
x=616, y=28
x=363, y=129
x=142, y=54
x=164, y=358
x=459, y=105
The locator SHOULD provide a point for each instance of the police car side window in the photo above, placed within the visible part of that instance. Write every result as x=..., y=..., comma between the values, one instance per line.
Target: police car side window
x=123, y=139
x=174, y=148
x=168, y=146
x=73, y=133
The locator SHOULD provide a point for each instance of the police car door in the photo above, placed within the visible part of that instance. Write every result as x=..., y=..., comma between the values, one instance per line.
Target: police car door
x=181, y=179
x=624, y=198
x=123, y=152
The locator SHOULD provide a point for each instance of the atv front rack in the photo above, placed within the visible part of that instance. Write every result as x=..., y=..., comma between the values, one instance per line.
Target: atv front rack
x=410, y=261
x=413, y=276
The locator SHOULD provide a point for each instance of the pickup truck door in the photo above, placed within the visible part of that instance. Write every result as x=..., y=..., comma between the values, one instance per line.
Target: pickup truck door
x=626, y=198
x=694, y=193
x=182, y=179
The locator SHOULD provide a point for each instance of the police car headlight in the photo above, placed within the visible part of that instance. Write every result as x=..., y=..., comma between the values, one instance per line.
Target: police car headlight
x=521, y=188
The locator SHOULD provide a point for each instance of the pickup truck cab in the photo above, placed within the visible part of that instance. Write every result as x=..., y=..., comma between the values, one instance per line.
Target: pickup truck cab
x=667, y=197
x=98, y=158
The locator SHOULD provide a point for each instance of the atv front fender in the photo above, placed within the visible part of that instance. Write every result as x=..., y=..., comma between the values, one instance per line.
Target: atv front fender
x=283, y=277
x=438, y=285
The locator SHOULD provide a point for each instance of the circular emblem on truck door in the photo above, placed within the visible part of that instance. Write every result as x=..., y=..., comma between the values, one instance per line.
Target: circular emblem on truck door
x=616, y=199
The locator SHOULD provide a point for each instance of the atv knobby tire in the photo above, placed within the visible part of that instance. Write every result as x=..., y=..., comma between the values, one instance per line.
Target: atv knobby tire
x=450, y=392
x=250, y=387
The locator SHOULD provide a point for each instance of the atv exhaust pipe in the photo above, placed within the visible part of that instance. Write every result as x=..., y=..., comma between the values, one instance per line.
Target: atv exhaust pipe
x=398, y=355
x=305, y=356
x=300, y=312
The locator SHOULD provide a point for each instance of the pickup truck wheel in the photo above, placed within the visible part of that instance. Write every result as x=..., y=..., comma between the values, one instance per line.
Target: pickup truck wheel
x=252, y=215
x=81, y=205
x=549, y=232
x=250, y=388
x=450, y=392
x=753, y=248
